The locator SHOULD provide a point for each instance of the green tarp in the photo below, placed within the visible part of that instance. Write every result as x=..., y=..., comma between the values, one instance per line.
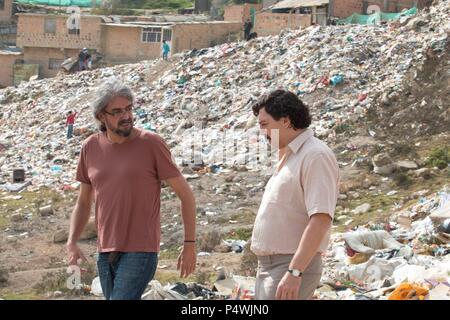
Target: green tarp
x=62, y=3
x=376, y=17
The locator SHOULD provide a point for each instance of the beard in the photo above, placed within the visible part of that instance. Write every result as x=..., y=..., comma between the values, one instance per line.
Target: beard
x=123, y=129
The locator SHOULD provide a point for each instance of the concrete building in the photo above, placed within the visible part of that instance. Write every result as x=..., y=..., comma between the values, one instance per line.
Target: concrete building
x=271, y=17
x=317, y=10
x=290, y=14
x=268, y=23
x=8, y=26
x=6, y=10
x=345, y=8
x=241, y=12
x=8, y=58
x=144, y=39
x=46, y=40
x=8, y=34
x=275, y=15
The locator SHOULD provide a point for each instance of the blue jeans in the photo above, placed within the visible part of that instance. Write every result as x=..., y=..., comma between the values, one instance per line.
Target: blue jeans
x=69, y=131
x=81, y=65
x=127, y=276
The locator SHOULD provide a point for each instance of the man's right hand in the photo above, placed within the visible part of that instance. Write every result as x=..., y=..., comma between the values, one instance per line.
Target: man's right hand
x=74, y=254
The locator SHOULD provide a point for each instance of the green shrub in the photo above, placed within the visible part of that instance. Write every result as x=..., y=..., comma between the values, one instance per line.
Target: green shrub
x=439, y=157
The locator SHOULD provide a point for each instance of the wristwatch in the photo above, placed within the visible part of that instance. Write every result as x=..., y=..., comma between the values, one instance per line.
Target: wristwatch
x=295, y=272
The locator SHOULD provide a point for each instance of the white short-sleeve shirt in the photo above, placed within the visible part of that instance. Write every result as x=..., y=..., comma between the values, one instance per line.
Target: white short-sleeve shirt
x=307, y=183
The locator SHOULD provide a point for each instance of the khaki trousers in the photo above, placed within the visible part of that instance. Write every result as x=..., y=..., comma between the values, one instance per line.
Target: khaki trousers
x=271, y=270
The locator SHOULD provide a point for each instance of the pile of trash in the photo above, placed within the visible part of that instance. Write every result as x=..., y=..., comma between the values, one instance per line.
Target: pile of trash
x=340, y=71
x=397, y=261
x=230, y=288
x=178, y=291
x=32, y=130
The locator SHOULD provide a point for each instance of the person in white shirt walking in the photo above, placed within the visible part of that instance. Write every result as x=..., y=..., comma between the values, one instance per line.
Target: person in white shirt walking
x=293, y=224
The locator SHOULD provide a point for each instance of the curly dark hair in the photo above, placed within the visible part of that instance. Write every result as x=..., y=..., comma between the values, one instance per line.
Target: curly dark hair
x=281, y=103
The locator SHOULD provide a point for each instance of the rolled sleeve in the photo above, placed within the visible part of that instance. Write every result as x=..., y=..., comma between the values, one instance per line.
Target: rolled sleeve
x=320, y=181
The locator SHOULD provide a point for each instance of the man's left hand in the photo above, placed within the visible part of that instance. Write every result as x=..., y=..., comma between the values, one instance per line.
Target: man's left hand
x=187, y=260
x=288, y=288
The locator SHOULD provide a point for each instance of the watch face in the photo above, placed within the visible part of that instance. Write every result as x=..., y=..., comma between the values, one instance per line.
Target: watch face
x=295, y=272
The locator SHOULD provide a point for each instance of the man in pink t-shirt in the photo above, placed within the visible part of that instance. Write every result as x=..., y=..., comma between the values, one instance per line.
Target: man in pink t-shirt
x=121, y=168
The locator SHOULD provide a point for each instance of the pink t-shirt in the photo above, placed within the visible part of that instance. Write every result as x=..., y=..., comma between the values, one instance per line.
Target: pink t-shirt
x=126, y=180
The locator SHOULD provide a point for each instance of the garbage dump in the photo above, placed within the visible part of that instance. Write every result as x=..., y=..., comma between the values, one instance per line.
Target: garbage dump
x=406, y=263
x=341, y=71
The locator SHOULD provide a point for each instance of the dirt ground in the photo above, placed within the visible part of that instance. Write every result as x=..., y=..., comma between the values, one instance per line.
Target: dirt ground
x=227, y=205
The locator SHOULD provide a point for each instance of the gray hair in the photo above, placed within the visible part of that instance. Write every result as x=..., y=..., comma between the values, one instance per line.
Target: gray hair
x=109, y=90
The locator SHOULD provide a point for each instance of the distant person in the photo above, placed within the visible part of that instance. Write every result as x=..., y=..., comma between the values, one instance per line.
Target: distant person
x=70, y=121
x=83, y=59
x=247, y=28
x=165, y=50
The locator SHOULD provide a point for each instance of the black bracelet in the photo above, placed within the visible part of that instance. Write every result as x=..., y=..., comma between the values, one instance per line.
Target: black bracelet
x=189, y=241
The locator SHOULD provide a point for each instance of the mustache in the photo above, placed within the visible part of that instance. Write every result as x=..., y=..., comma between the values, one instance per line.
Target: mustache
x=122, y=122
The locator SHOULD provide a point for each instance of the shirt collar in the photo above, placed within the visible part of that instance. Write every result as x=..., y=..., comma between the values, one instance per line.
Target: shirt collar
x=296, y=144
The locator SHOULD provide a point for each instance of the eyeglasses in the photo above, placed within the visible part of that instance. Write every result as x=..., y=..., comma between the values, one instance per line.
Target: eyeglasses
x=119, y=113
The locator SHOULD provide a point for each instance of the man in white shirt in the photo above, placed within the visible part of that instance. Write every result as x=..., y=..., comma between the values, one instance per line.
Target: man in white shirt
x=293, y=224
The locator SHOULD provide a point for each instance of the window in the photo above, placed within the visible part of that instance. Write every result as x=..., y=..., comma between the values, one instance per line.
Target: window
x=2, y=4
x=75, y=28
x=50, y=25
x=306, y=10
x=8, y=30
x=74, y=31
x=54, y=64
x=151, y=35
x=167, y=34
